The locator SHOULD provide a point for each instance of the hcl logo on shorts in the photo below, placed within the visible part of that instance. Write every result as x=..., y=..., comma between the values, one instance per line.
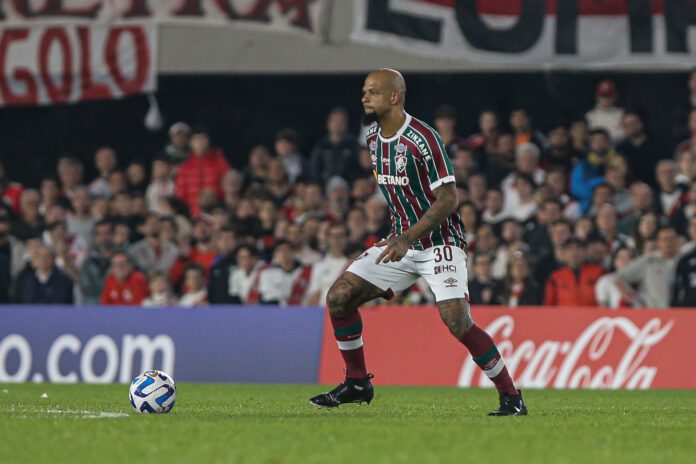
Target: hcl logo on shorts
x=445, y=268
x=384, y=179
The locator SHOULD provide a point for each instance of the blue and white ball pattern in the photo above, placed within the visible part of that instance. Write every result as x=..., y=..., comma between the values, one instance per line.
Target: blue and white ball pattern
x=152, y=392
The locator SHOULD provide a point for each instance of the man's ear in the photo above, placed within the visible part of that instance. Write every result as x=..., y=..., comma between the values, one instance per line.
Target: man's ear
x=394, y=98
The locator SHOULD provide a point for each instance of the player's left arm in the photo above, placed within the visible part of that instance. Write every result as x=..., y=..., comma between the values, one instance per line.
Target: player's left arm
x=443, y=207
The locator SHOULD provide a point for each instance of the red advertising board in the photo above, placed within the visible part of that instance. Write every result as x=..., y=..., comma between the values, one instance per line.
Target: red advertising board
x=542, y=347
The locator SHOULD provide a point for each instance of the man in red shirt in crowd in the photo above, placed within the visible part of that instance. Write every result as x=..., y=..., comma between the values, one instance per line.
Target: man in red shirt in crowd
x=202, y=171
x=9, y=191
x=573, y=284
x=124, y=285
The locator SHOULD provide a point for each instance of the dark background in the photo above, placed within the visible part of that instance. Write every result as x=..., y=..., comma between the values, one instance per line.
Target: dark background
x=243, y=111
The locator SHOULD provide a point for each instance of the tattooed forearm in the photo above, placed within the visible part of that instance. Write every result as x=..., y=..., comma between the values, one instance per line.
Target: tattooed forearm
x=444, y=206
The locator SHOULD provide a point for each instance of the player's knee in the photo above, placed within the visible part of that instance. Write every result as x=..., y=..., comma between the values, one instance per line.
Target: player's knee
x=456, y=316
x=339, y=297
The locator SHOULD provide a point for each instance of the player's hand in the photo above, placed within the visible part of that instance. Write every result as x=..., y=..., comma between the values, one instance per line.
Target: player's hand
x=396, y=248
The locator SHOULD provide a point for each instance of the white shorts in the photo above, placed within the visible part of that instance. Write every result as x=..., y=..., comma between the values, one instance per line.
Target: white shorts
x=443, y=267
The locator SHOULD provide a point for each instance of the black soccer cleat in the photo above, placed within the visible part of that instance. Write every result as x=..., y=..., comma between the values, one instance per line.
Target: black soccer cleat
x=349, y=391
x=510, y=405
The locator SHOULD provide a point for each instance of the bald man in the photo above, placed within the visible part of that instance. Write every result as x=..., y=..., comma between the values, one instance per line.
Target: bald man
x=427, y=240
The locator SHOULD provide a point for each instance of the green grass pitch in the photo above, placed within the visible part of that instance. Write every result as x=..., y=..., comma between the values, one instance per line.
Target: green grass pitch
x=274, y=424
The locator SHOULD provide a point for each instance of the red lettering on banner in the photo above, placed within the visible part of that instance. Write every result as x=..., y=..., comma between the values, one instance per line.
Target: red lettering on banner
x=57, y=94
x=55, y=8
x=300, y=18
x=31, y=97
x=138, y=8
x=90, y=90
x=188, y=8
x=142, y=66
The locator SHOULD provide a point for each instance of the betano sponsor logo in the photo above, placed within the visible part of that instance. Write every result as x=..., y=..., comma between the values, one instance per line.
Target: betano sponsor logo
x=385, y=179
x=70, y=361
x=574, y=363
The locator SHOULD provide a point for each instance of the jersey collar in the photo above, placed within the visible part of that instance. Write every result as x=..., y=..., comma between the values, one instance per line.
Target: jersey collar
x=399, y=132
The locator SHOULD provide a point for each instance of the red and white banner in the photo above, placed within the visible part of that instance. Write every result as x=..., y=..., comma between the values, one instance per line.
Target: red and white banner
x=43, y=65
x=542, y=347
x=534, y=34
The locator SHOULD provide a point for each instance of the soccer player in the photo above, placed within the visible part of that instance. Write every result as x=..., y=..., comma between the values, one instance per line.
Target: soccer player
x=427, y=239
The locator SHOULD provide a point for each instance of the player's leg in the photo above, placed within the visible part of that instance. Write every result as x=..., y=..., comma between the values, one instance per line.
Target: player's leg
x=456, y=314
x=444, y=268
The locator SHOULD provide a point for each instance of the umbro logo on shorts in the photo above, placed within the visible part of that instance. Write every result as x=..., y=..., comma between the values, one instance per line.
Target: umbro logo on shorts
x=451, y=282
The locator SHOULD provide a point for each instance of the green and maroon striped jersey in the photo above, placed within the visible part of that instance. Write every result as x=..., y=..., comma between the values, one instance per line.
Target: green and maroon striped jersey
x=408, y=167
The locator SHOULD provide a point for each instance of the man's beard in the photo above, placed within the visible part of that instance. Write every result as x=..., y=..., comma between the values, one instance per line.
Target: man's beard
x=369, y=118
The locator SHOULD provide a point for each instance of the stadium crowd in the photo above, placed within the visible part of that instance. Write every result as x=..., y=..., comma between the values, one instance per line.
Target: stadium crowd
x=576, y=215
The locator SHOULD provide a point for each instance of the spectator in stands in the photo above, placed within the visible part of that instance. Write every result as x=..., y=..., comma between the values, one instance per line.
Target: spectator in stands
x=277, y=182
x=652, y=275
x=337, y=153
x=177, y=149
x=285, y=282
x=160, y=292
x=95, y=268
x=80, y=220
x=122, y=234
x=202, y=170
x=493, y=213
x=615, y=178
x=557, y=187
x=686, y=162
x=287, y=149
x=136, y=176
x=219, y=282
x=511, y=233
x=641, y=199
x=244, y=279
x=70, y=171
x=10, y=192
x=560, y=154
x=470, y=218
x=560, y=231
x=377, y=218
x=589, y=173
x=118, y=183
x=538, y=235
x=356, y=221
x=579, y=135
x=232, y=187
x=684, y=286
x=105, y=162
x=606, y=228
x=203, y=250
x=325, y=271
x=257, y=170
x=573, y=284
x=70, y=250
x=51, y=195
x=161, y=185
x=637, y=148
x=605, y=115
x=645, y=231
x=476, y=185
x=300, y=238
x=483, y=288
x=501, y=162
x=464, y=164
x=607, y=292
x=523, y=210
x=521, y=124
x=152, y=253
x=46, y=284
x=484, y=142
x=196, y=293
x=124, y=285
x=520, y=289
x=445, y=122
x=671, y=196
x=11, y=259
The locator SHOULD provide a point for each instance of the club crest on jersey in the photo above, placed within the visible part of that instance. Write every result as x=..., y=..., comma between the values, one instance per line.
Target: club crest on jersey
x=373, y=152
x=400, y=157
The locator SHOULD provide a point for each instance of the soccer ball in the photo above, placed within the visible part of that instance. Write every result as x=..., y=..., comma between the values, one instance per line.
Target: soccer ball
x=152, y=392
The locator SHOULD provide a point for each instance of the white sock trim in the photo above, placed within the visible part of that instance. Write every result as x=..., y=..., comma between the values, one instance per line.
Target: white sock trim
x=495, y=370
x=350, y=345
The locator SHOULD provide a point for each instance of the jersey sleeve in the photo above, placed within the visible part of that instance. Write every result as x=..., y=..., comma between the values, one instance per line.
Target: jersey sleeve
x=439, y=167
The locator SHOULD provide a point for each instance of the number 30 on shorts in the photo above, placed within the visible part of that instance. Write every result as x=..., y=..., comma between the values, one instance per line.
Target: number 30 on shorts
x=446, y=254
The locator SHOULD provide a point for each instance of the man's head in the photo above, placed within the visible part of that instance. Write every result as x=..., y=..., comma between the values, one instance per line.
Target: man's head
x=606, y=219
x=527, y=158
x=101, y=235
x=666, y=175
x=247, y=256
x=445, y=119
x=574, y=251
x=29, y=201
x=486, y=240
x=558, y=137
x=667, y=243
x=337, y=239
x=337, y=122
x=225, y=240
x=194, y=277
x=482, y=266
x=287, y=142
x=384, y=92
x=560, y=232
x=600, y=142
x=356, y=220
x=519, y=120
x=488, y=121
x=43, y=258
x=202, y=230
x=512, y=231
x=621, y=258
x=494, y=200
x=602, y=193
x=105, y=159
x=313, y=198
x=605, y=93
x=200, y=140
x=615, y=177
x=283, y=254
x=121, y=265
x=150, y=226
x=69, y=171
x=179, y=134
x=632, y=124
x=641, y=196
x=552, y=210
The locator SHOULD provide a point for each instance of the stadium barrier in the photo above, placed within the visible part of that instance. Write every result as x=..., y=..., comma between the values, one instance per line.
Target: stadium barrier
x=543, y=347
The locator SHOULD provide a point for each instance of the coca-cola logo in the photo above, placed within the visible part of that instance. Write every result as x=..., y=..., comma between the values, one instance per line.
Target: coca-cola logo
x=589, y=361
